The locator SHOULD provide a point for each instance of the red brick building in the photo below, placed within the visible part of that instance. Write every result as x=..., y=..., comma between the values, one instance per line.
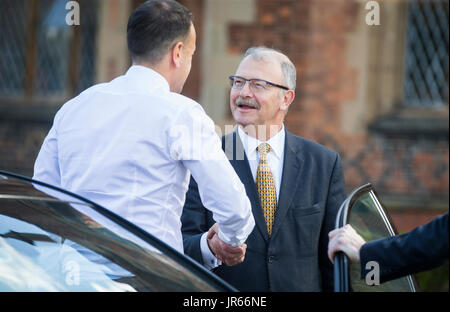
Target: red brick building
x=377, y=94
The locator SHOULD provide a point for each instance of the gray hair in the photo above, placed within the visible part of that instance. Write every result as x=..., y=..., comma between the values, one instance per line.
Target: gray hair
x=267, y=54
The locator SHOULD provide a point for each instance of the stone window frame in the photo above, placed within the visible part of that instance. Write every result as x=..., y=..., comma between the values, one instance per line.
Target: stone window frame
x=387, y=115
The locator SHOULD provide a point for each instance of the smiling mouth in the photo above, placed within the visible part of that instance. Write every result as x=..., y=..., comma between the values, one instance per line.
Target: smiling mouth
x=244, y=106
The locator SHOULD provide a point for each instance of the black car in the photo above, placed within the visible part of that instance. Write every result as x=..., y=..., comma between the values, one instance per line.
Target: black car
x=54, y=240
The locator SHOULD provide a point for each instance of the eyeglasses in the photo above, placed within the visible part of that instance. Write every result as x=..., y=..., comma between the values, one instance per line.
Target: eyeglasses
x=255, y=85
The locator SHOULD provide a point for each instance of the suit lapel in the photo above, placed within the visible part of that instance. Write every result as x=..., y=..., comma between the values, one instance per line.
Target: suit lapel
x=292, y=167
x=236, y=154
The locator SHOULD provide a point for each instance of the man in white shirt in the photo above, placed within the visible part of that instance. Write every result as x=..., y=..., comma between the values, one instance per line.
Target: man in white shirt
x=130, y=145
x=296, y=187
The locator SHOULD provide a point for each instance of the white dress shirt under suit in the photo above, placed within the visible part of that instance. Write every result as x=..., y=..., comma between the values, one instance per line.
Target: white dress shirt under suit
x=130, y=145
x=275, y=160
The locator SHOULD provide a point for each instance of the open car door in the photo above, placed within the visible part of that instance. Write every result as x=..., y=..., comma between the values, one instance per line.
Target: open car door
x=365, y=213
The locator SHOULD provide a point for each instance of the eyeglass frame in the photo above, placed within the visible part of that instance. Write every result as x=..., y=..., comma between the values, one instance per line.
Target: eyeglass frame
x=254, y=79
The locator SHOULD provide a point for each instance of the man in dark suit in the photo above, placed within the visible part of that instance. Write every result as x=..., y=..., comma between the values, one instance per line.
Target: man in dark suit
x=295, y=186
x=424, y=248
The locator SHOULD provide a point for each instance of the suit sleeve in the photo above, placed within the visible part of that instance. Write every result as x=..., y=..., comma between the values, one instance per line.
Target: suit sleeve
x=424, y=248
x=196, y=220
x=336, y=195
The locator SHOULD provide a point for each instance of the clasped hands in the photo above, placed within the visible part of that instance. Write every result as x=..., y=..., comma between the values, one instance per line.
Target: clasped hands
x=224, y=252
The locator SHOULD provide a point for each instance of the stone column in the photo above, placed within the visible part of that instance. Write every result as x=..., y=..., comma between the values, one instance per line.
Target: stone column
x=112, y=53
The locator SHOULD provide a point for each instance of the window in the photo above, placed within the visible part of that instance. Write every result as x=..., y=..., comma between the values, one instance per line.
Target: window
x=41, y=55
x=364, y=212
x=426, y=72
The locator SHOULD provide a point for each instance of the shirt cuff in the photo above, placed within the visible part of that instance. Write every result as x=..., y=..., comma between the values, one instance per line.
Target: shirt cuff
x=209, y=260
x=237, y=239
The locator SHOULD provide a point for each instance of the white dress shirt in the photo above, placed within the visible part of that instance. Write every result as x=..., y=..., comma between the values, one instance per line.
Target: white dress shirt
x=275, y=159
x=130, y=145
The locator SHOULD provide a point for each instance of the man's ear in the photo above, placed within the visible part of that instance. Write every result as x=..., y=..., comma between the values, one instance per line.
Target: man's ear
x=288, y=98
x=177, y=54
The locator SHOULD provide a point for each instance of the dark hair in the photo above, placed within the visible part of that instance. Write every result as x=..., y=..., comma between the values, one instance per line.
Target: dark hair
x=154, y=26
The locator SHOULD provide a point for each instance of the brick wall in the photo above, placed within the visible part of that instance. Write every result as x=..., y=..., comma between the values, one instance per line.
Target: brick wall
x=410, y=173
x=312, y=34
x=20, y=142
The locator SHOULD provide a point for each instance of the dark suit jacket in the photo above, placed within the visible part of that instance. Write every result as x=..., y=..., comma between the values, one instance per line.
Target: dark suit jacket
x=295, y=257
x=424, y=248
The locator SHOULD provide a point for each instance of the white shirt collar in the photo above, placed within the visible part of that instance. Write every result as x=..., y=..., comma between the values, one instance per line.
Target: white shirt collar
x=146, y=79
x=250, y=143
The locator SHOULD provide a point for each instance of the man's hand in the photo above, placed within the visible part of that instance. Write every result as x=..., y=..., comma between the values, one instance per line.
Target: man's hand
x=347, y=240
x=226, y=253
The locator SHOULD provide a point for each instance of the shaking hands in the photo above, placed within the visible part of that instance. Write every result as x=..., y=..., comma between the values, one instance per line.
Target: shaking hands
x=226, y=253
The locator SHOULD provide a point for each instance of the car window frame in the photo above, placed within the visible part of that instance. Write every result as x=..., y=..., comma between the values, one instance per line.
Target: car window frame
x=341, y=261
x=181, y=259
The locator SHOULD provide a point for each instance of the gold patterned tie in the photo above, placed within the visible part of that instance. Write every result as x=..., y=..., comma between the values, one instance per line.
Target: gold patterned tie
x=266, y=186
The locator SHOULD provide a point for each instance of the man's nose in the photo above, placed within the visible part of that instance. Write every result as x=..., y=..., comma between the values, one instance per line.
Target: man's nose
x=246, y=91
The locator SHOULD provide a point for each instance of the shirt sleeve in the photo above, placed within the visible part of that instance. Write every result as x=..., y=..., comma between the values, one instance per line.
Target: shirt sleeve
x=46, y=166
x=209, y=260
x=193, y=141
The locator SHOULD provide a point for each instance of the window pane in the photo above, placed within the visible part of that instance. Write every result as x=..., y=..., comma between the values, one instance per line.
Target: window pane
x=88, y=52
x=13, y=26
x=53, y=42
x=367, y=219
x=426, y=76
x=59, y=49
